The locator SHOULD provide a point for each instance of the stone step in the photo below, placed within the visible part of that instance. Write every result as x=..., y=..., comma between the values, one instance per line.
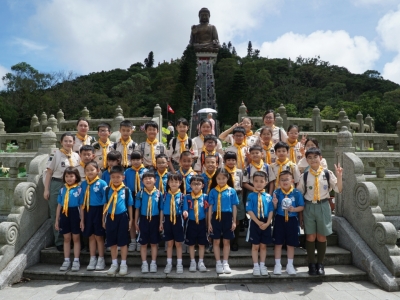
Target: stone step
x=242, y=258
x=341, y=273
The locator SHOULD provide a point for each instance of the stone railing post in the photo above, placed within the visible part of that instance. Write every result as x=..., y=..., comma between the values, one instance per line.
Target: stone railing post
x=342, y=114
x=119, y=110
x=368, y=121
x=346, y=123
x=43, y=122
x=360, y=122
x=60, y=118
x=34, y=123
x=282, y=112
x=48, y=142
x=279, y=121
x=157, y=116
x=52, y=123
x=397, y=145
x=85, y=113
x=316, y=120
x=242, y=112
x=2, y=126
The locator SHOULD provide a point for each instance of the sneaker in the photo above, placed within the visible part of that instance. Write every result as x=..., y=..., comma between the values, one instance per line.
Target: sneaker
x=138, y=247
x=278, y=270
x=227, y=269
x=101, y=264
x=264, y=270
x=112, y=270
x=202, y=267
x=123, y=270
x=179, y=269
x=65, y=266
x=92, y=264
x=75, y=266
x=312, y=270
x=132, y=246
x=256, y=270
x=168, y=269
x=290, y=270
x=219, y=268
x=145, y=267
x=320, y=269
x=153, y=268
x=192, y=267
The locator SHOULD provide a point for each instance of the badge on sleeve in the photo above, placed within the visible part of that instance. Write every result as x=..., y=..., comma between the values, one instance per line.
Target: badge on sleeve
x=62, y=164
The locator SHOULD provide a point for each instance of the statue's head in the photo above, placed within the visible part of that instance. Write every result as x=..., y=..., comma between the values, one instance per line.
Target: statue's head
x=204, y=15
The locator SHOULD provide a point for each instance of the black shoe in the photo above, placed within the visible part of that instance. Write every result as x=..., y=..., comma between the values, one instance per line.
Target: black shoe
x=60, y=248
x=235, y=247
x=312, y=270
x=320, y=269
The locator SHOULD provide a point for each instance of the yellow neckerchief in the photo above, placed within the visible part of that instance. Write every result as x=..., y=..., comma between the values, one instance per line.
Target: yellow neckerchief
x=231, y=171
x=184, y=175
x=82, y=138
x=208, y=152
x=268, y=152
x=66, y=197
x=240, y=161
x=86, y=200
x=220, y=190
x=182, y=141
x=149, y=211
x=113, y=199
x=292, y=151
x=83, y=165
x=68, y=155
x=104, y=149
x=280, y=164
x=161, y=184
x=260, y=206
x=125, y=144
x=202, y=137
x=286, y=195
x=153, y=156
x=316, y=184
x=172, y=208
x=196, y=205
x=248, y=134
x=258, y=166
x=137, y=177
x=209, y=180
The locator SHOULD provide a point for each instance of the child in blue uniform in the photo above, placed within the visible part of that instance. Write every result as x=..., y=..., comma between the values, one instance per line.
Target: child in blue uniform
x=147, y=220
x=68, y=217
x=260, y=208
x=222, y=216
x=118, y=219
x=92, y=197
x=185, y=162
x=133, y=180
x=286, y=222
x=113, y=159
x=195, y=207
x=171, y=221
x=211, y=167
x=161, y=172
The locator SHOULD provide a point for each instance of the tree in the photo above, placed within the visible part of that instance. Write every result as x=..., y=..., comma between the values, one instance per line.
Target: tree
x=249, y=49
x=149, y=61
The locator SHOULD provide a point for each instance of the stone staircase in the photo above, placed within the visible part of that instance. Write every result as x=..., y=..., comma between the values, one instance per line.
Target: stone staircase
x=338, y=264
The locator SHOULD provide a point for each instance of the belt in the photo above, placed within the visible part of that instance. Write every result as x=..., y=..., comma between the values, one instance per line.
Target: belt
x=317, y=202
x=56, y=179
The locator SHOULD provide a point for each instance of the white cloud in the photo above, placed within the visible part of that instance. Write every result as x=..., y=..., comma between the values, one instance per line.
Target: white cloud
x=391, y=70
x=357, y=54
x=3, y=71
x=28, y=45
x=102, y=35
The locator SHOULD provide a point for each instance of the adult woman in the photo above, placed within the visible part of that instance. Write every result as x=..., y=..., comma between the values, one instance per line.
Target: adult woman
x=279, y=134
x=82, y=138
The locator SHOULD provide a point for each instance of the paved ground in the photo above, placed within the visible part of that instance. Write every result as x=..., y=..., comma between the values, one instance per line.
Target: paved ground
x=43, y=290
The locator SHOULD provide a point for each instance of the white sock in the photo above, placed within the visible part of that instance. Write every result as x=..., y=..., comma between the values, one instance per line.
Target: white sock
x=169, y=261
x=115, y=262
x=76, y=259
x=101, y=258
x=225, y=262
x=66, y=259
x=94, y=257
x=200, y=260
x=123, y=262
x=144, y=262
x=262, y=264
x=179, y=261
x=153, y=262
x=133, y=240
x=277, y=261
x=290, y=262
x=256, y=264
x=193, y=260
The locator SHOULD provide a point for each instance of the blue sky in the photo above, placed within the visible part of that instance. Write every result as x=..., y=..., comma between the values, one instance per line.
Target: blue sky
x=86, y=36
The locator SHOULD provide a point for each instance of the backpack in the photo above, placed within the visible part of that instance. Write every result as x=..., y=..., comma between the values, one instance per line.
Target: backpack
x=305, y=175
x=115, y=146
x=174, y=143
x=126, y=195
x=203, y=159
x=248, y=169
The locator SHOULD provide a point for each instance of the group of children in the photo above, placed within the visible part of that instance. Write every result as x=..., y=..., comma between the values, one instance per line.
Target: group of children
x=193, y=193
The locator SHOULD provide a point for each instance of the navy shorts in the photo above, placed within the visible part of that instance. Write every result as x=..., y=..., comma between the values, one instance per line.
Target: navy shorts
x=173, y=232
x=255, y=235
x=149, y=230
x=286, y=232
x=116, y=230
x=94, y=221
x=222, y=228
x=196, y=233
x=70, y=224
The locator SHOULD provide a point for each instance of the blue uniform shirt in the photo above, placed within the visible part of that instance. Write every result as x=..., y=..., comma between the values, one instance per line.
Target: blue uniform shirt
x=121, y=206
x=74, y=196
x=252, y=203
x=130, y=178
x=188, y=205
x=97, y=190
x=164, y=181
x=106, y=177
x=166, y=204
x=187, y=180
x=229, y=198
x=207, y=181
x=295, y=196
x=142, y=198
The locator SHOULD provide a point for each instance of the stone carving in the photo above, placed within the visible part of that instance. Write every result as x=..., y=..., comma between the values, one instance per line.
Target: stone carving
x=8, y=233
x=362, y=197
x=204, y=36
